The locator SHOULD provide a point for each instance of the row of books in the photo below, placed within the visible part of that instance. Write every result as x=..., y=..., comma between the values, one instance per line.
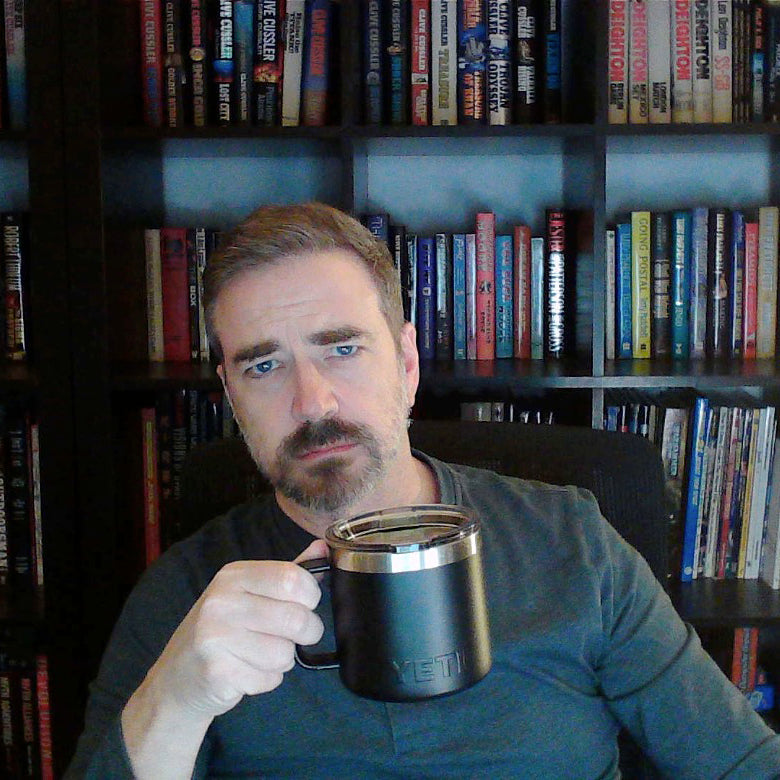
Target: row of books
x=505, y=411
x=14, y=273
x=721, y=483
x=485, y=294
x=25, y=711
x=445, y=62
x=237, y=62
x=692, y=283
x=13, y=68
x=693, y=61
x=747, y=673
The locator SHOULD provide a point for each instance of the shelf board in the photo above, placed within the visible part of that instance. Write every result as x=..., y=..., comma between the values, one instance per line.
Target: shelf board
x=707, y=374
x=136, y=377
x=145, y=133
x=690, y=129
x=714, y=603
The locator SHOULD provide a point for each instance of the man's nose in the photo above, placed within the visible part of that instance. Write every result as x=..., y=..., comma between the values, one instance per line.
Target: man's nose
x=314, y=398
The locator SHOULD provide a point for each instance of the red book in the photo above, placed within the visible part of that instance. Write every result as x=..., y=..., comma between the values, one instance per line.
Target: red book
x=151, y=485
x=750, y=301
x=44, y=716
x=421, y=66
x=175, y=294
x=522, y=292
x=151, y=62
x=486, y=293
x=744, y=658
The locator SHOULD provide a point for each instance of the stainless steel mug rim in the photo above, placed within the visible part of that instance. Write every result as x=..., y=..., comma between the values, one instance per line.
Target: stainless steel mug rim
x=444, y=534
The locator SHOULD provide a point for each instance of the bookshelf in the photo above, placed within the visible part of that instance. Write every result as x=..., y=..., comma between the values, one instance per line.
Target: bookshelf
x=121, y=173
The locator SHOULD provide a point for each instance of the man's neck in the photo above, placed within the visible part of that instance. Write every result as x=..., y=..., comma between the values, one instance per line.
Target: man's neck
x=414, y=483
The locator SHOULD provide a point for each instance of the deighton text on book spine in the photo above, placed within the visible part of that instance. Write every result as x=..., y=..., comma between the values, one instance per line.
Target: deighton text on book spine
x=617, y=97
x=638, y=103
x=702, y=62
x=682, y=62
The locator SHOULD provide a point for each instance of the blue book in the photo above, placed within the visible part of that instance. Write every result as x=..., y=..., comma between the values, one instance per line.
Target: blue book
x=459, y=296
x=396, y=51
x=611, y=418
x=15, y=65
x=315, y=75
x=372, y=64
x=737, y=281
x=243, y=54
x=426, y=298
x=379, y=226
x=698, y=284
x=504, y=285
x=693, y=499
x=681, y=253
x=623, y=319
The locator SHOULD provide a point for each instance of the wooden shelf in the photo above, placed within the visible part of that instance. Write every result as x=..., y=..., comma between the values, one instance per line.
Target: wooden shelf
x=727, y=603
x=139, y=377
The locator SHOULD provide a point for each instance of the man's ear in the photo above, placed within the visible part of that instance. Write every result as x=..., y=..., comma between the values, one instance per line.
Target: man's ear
x=411, y=360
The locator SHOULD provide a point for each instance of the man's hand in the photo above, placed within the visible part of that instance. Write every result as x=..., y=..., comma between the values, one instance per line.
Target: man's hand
x=239, y=638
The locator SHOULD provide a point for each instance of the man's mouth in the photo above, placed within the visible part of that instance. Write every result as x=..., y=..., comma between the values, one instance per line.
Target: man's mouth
x=326, y=450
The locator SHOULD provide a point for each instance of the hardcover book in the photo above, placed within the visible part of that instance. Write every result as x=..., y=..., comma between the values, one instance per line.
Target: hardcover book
x=661, y=251
x=268, y=61
x=528, y=55
x=720, y=293
x=722, y=61
x=459, y=296
x=198, y=56
x=472, y=55
x=640, y=284
x=222, y=68
x=736, y=307
x=15, y=64
x=699, y=283
x=682, y=59
x=295, y=13
x=175, y=294
x=617, y=94
x=681, y=254
x=243, y=57
x=444, y=62
x=556, y=293
x=702, y=62
x=659, y=67
x=623, y=294
x=537, y=297
x=426, y=297
x=750, y=316
x=767, y=281
x=444, y=298
x=499, y=62
x=420, y=25
x=486, y=293
x=551, y=16
x=151, y=62
x=397, y=61
x=522, y=292
x=638, y=77
x=315, y=76
x=504, y=295
x=373, y=71
x=174, y=75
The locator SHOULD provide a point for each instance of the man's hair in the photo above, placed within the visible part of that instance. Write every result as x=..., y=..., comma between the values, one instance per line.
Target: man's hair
x=272, y=233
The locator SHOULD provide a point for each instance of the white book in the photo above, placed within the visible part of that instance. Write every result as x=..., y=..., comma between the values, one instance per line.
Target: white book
x=444, y=62
x=702, y=61
x=659, y=64
x=638, y=105
x=768, y=218
x=755, y=529
x=609, y=303
x=499, y=62
x=293, y=62
x=722, y=60
x=682, y=61
x=154, y=298
x=617, y=95
x=769, y=570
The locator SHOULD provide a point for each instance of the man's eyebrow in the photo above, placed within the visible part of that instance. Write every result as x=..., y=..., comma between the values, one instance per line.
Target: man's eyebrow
x=335, y=335
x=255, y=352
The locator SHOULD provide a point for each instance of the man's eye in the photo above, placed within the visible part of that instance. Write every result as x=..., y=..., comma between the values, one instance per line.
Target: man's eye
x=263, y=367
x=345, y=350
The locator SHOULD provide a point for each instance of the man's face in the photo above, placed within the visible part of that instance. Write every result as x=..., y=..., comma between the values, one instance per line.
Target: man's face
x=318, y=386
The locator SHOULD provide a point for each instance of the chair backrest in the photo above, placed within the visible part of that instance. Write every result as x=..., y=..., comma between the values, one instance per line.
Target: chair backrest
x=624, y=472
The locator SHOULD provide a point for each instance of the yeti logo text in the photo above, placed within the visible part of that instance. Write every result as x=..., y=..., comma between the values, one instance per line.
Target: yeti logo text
x=430, y=669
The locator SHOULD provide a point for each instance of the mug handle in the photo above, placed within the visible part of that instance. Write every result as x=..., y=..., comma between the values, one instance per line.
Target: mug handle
x=303, y=657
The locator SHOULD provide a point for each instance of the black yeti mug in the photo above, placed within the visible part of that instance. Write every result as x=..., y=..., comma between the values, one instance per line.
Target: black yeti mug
x=409, y=605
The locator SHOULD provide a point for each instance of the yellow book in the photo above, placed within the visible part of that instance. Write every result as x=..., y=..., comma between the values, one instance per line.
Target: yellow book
x=768, y=218
x=640, y=283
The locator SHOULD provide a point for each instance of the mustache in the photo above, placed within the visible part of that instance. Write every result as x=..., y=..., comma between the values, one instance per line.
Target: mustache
x=323, y=432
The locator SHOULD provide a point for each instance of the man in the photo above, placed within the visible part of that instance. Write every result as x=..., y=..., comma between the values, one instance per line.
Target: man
x=304, y=315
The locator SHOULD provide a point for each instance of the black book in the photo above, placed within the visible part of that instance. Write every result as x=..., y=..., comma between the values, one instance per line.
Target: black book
x=396, y=61
x=718, y=274
x=199, y=56
x=174, y=75
x=661, y=255
x=527, y=60
x=269, y=49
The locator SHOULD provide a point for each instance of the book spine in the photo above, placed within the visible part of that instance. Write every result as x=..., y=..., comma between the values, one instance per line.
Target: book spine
x=192, y=296
x=486, y=292
x=201, y=258
x=556, y=294
x=638, y=102
x=372, y=62
x=623, y=294
x=739, y=59
x=499, y=62
x=694, y=488
x=222, y=68
x=420, y=70
x=659, y=66
x=9, y=732
x=768, y=217
x=26, y=707
x=44, y=716
x=716, y=494
x=681, y=249
x=552, y=61
x=198, y=55
x=682, y=62
x=757, y=62
x=411, y=276
x=15, y=64
x=617, y=96
x=459, y=295
x=661, y=251
x=741, y=462
x=765, y=443
x=151, y=488
x=379, y=226
x=175, y=294
x=154, y=299
x=472, y=50
x=609, y=296
x=537, y=297
x=720, y=291
x=5, y=531
x=705, y=492
x=35, y=494
x=243, y=55
x=699, y=288
x=315, y=68
x=293, y=62
x=527, y=61
x=522, y=292
x=268, y=61
x=18, y=500
x=702, y=62
x=736, y=307
x=174, y=77
x=503, y=287
x=772, y=71
x=426, y=301
x=731, y=484
x=722, y=61
x=471, y=296
x=14, y=273
x=397, y=53
x=640, y=284
x=750, y=316
x=444, y=303
x=444, y=62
